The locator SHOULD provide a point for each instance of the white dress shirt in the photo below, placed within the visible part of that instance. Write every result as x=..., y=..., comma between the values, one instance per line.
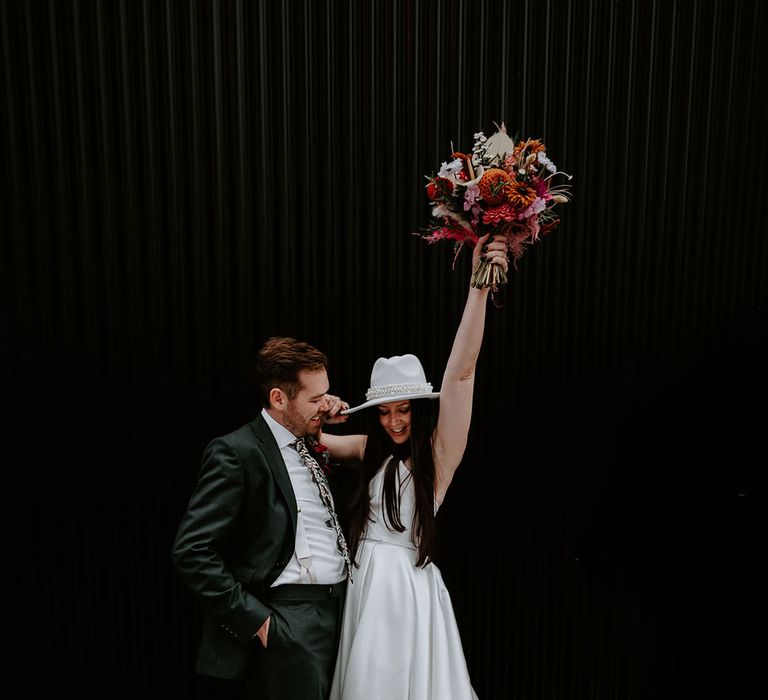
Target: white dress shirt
x=316, y=558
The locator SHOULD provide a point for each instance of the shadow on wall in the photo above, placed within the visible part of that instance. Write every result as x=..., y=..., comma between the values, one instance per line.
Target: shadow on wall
x=680, y=528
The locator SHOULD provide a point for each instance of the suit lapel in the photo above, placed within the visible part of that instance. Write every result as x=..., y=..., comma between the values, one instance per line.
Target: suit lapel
x=276, y=464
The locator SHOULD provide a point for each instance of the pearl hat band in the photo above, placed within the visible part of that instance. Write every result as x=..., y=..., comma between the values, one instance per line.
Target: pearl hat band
x=396, y=378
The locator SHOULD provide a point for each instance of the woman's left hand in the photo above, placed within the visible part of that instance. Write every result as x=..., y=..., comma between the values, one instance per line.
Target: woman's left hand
x=491, y=250
x=335, y=407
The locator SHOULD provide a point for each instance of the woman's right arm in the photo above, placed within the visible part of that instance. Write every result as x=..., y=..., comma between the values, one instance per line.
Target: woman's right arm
x=457, y=388
x=344, y=448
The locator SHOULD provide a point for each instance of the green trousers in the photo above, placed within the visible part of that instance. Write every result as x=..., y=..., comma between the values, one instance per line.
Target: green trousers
x=303, y=641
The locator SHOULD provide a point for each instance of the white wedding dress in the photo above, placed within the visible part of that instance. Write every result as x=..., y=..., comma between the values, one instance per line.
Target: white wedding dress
x=399, y=638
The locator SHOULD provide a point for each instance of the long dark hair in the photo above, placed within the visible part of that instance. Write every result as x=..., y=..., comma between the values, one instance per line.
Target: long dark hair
x=379, y=449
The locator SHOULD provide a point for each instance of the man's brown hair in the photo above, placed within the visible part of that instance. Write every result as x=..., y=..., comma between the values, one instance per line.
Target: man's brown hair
x=279, y=362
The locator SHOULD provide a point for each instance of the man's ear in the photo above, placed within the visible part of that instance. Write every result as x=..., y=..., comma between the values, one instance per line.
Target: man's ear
x=277, y=398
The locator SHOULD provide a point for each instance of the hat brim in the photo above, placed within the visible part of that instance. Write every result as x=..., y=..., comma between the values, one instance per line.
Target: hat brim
x=390, y=399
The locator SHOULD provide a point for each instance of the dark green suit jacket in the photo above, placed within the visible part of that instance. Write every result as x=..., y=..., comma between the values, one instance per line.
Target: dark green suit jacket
x=237, y=536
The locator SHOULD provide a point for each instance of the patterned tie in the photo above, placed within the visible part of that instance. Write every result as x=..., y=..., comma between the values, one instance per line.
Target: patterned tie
x=325, y=497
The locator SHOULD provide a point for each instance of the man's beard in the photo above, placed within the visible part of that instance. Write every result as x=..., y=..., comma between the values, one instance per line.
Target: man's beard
x=296, y=423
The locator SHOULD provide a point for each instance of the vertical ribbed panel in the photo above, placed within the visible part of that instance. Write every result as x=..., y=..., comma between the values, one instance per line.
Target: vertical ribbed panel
x=185, y=179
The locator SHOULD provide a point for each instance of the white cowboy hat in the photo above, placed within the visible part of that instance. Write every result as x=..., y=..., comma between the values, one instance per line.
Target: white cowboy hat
x=396, y=378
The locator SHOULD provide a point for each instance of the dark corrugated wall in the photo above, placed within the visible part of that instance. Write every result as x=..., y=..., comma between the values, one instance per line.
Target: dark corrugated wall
x=185, y=179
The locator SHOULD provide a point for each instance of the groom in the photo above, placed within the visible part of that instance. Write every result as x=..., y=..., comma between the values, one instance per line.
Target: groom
x=258, y=543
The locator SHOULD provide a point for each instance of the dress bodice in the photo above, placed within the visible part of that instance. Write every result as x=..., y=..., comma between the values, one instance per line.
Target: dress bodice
x=379, y=528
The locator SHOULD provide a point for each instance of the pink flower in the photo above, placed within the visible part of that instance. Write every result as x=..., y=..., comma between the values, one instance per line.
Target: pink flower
x=456, y=233
x=537, y=205
x=470, y=195
x=532, y=226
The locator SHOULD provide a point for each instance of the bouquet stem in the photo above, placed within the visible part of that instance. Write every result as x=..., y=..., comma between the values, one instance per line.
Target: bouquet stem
x=488, y=274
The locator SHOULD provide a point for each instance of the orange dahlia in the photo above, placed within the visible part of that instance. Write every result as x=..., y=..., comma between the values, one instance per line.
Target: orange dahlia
x=520, y=194
x=529, y=146
x=492, y=185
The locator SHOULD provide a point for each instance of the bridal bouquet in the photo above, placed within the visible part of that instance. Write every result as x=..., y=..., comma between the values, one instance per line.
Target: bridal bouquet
x=505, y=186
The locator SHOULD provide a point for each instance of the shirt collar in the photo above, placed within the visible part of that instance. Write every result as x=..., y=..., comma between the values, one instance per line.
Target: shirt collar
x=283, y=436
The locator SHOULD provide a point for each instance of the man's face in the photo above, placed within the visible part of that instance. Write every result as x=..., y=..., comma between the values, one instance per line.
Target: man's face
x=308, y=410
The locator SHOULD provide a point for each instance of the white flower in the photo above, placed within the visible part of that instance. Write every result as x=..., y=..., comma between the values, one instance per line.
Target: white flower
x=497, y=147
x=479, y=170
x=451, y=169
x=477, y=148
x=546, y=162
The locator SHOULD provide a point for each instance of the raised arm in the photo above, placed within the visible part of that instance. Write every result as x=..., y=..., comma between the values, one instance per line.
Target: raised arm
x=456, y=390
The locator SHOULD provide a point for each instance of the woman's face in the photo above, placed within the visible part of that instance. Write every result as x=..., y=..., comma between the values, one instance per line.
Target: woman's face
x=395, y=418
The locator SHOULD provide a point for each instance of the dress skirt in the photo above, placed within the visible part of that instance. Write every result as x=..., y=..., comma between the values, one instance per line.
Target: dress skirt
x=399, y=639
